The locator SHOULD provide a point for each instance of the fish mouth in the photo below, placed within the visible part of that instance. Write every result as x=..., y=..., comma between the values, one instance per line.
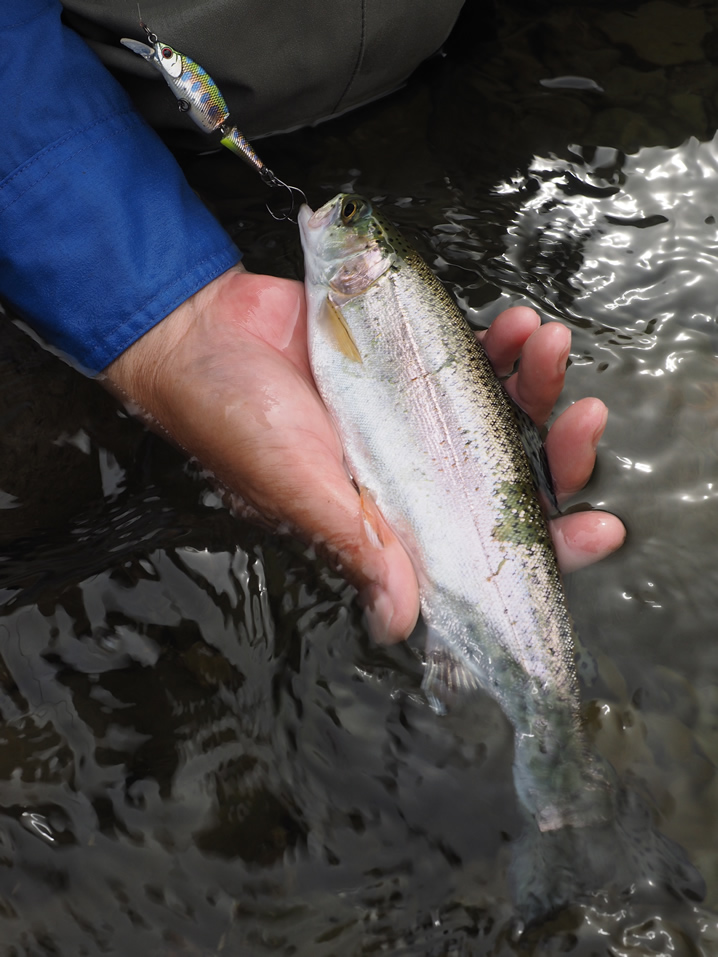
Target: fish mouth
x=312, y=224
x=324, y=216
x=304, y=215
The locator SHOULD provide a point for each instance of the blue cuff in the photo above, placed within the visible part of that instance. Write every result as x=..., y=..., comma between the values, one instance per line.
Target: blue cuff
x=100, y=234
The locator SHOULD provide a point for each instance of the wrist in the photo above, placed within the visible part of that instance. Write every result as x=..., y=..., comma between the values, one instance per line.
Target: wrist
x=145, y=375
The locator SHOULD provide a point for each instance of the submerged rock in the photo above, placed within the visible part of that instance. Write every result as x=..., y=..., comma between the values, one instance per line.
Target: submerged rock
x=660, y=32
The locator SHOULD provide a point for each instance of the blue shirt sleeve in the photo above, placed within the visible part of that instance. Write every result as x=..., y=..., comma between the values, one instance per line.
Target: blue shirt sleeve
x=100, y=234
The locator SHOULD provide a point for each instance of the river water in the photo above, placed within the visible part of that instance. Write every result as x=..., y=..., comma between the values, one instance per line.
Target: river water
x=201, y=751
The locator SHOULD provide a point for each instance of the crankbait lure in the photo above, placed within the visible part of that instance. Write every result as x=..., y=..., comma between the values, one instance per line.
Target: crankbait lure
x=199, y=96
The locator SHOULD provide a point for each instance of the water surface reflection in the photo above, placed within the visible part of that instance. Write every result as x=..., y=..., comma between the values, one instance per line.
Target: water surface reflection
x=201, y=752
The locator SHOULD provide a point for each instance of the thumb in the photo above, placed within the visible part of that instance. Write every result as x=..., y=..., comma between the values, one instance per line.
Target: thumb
x=391, y=601
x=349, y=530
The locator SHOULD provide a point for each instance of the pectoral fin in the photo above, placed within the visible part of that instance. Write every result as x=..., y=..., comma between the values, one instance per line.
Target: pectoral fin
x=337, y=323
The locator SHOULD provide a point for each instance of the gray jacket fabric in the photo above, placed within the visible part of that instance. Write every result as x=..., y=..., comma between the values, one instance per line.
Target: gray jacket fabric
x=278, y=65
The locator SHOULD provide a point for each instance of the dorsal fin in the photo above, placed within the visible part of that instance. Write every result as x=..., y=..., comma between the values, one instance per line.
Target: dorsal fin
x=536, y=454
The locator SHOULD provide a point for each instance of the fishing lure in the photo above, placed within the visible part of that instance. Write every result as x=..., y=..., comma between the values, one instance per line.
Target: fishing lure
x=199, y=96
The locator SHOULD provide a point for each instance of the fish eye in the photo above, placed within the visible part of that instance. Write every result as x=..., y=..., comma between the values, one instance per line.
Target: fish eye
x=349, y=211
x=167, y=52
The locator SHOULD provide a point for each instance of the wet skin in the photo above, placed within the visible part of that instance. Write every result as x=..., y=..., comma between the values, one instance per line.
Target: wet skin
x=226, y=376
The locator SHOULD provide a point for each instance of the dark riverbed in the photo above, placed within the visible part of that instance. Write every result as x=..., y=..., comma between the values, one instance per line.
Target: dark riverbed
x=201, y=752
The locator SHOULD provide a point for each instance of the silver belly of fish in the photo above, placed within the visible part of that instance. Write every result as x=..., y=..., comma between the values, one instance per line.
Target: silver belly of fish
x=429, y=431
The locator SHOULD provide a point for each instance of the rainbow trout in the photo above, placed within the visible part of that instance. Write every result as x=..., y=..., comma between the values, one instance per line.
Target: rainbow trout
x=430, y=433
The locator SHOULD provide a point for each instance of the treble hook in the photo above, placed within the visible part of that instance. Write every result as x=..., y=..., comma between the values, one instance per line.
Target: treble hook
x=238, y=143
x=198, y=94
x=296, y=196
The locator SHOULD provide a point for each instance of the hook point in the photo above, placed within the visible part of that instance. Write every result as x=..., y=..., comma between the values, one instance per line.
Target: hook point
x=296, y=196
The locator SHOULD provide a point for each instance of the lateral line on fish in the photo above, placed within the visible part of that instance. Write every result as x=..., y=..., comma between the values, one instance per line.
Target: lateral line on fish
x=584, y=834
x=427, y=377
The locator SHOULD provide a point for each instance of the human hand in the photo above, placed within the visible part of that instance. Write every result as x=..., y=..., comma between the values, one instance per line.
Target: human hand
x=580, y=538
x=227, y=377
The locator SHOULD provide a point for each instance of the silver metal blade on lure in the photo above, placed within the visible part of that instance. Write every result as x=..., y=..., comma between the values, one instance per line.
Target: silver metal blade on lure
x=199, y=96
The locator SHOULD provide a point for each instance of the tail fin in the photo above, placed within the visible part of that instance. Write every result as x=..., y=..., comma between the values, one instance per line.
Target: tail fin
x=625, y=858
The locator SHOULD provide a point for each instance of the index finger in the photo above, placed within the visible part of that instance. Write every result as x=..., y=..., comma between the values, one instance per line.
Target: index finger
x=506, y=336
x=542, y=370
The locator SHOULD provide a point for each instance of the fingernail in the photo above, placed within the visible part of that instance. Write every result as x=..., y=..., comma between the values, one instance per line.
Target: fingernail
x=379, y=611
x=563, y=359
x=596, y=537
x=599, y=430
x=588, y=538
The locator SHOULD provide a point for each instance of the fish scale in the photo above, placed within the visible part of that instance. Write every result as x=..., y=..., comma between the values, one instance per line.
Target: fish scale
x=447, y=477
x=429, y=431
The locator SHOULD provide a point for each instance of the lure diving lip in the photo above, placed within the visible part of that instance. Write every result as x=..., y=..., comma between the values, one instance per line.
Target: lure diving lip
x=199, y=96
